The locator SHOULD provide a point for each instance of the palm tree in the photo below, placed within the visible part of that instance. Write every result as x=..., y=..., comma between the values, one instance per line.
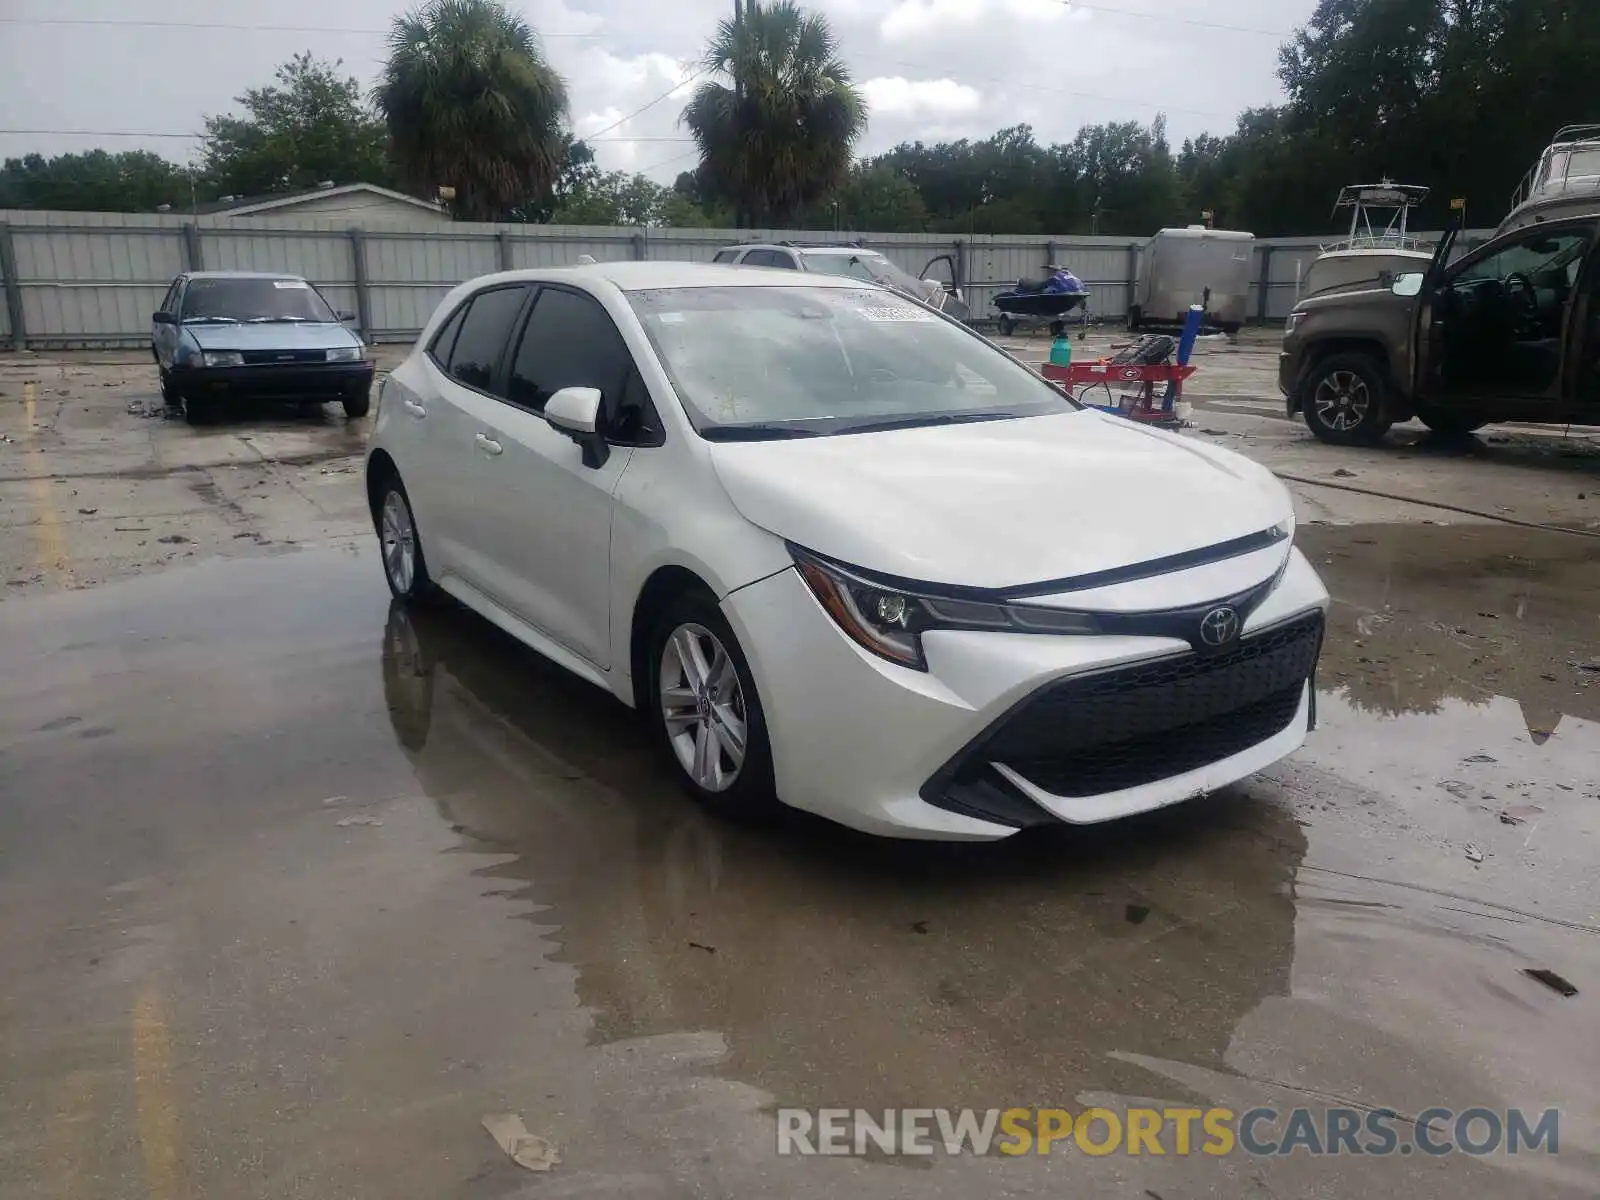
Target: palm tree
x=472, y=104
x=776, y=120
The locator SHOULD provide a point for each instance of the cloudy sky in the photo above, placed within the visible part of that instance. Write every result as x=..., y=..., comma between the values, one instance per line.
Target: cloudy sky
x=931, y=69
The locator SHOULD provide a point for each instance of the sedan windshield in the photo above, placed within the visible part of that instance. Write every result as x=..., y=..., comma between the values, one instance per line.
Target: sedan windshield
x=247, y=300
x=799, y=361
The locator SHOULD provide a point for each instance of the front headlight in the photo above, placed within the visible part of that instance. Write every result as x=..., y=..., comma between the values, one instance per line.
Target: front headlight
x=223, y=358
x=889, y=618
x=345, y=354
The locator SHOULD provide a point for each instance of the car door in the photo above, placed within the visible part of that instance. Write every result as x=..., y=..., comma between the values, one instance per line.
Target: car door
x=1584, y=358
x=1499, y=318
x=468, y=378
x=164, y=336
x=546, y=516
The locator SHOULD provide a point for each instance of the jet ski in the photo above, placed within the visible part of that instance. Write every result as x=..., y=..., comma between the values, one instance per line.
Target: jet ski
x=1053, y=295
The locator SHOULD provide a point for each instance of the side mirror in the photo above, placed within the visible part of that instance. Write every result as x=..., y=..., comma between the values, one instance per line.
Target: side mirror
x=575, y=411
x=346, y=316
x=162, y=317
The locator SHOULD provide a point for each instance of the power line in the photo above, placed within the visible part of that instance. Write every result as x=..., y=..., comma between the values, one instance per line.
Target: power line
x=1169, y=19
x=667, y=162
x=120, y=23
x=648, y=104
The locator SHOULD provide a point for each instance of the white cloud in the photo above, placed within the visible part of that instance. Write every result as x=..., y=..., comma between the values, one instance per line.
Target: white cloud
x=936, y=69
x=919, y=18
x=897, y=97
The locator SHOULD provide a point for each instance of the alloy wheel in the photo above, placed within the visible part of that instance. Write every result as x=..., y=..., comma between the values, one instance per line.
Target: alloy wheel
x=1342, y=401
x=703, y=706
x=399, y=539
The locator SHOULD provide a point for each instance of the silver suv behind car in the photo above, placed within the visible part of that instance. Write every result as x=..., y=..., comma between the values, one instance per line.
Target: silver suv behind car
x=849, y=261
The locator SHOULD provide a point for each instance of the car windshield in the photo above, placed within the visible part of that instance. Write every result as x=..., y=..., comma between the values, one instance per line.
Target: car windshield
x=796, y=361
x=865, y=265
x=250, y=300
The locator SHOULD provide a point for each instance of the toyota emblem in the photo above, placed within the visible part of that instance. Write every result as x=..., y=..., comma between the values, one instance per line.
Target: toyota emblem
x=1219, y=627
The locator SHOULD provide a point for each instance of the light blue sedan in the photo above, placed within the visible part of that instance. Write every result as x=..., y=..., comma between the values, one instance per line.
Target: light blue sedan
x=223, y=335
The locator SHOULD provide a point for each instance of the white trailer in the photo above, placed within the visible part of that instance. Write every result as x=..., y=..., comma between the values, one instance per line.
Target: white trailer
x=1179, y=268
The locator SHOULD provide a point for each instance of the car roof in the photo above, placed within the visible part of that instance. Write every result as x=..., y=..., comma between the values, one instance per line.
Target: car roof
x=242, y=275
x=643, y=276
x=805, y=248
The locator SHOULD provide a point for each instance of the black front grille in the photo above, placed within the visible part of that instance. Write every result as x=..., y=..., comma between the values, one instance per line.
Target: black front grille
x=270, y=358
x=1117, y=729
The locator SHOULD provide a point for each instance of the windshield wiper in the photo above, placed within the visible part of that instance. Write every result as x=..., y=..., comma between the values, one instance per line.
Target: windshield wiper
x=922, y=419
x=274, y=320
x=211, y=320
x=757, y=433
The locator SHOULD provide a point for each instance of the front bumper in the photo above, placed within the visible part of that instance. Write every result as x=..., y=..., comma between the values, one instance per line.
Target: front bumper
x=941, y=754
x=292, y=381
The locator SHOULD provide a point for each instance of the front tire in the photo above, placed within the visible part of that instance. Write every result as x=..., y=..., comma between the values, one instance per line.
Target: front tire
x=169, y=390
x=358, y=404
x=706, y=712
x=404, y=566
x=1345, y=400
x=1007, y=326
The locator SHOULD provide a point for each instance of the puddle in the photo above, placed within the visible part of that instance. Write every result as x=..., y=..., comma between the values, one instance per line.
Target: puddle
x=541, y=898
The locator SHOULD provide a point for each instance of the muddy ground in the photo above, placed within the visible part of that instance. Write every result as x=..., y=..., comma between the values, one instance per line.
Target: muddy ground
x=296, y=888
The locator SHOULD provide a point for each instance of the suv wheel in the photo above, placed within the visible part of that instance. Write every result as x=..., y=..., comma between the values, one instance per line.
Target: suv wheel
x=1345, y=400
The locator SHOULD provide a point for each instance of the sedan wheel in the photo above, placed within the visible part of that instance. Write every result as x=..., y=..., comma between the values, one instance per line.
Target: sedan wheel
x=403, y=564
x=707, y=710
x=703, y=707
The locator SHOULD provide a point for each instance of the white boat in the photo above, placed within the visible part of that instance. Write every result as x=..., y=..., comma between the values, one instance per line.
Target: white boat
x=1565, y=182
x=1379, y=244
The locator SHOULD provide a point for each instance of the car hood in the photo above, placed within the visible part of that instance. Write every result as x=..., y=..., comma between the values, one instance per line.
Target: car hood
x=1001, y=504
x=284, y=336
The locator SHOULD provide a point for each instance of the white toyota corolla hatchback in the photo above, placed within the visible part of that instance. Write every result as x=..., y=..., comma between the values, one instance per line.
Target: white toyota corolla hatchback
x=844, y=552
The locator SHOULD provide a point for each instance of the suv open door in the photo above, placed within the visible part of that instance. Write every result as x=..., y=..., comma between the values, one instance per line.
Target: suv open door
x=1494, y=329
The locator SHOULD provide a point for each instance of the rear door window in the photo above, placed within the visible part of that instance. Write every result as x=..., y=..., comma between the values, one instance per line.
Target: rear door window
x=726, y=256
x=481, y=341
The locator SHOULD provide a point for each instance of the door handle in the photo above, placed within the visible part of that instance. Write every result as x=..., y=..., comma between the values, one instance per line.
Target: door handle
x=488, y=445
x=415, y=409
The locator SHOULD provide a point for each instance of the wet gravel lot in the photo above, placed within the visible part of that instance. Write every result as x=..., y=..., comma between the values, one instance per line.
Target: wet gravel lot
x=296, y=887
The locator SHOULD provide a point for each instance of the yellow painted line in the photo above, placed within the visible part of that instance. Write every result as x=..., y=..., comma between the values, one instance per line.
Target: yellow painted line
x=159, y=1132
x=49, y=550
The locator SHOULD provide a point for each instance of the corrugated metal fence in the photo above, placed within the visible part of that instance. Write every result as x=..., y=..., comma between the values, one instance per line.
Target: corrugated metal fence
x=93, y=279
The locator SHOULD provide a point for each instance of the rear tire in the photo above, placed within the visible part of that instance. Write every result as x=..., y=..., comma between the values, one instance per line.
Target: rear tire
x=405, y=568
x=357, y=405
x=1450, y=424
x=706, y=713
x=1345, y=400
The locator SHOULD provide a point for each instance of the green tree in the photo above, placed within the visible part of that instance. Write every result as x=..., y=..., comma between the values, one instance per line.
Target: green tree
x=312, y=126
x=472, y=104
x=132, y=181
x=776, y=122
x=877, y=199
x=614, y=198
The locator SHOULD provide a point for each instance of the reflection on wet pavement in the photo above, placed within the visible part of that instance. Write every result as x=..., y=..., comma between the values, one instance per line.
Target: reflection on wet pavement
x=261, y=922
